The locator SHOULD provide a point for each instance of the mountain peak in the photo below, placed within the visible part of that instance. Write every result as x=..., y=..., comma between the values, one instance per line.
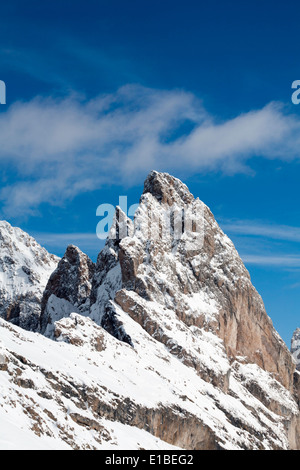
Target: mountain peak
x=158, y=335
x=73, y=254
x=25, y=267
x=68, y=287
x=167, y=189
x=295, y=347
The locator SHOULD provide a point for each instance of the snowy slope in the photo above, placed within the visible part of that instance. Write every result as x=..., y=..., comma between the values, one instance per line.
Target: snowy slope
x=86, y=389
x=165, y=342
x=24, y=271
x=295, y=347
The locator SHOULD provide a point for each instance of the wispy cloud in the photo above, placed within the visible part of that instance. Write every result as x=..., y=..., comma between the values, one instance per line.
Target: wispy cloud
x=259, y=229
x=59, y=238
x=272, y=260
x=54, y=68
x=58, y=242
x=295, y=286
x=60, y=148
x=264, y=244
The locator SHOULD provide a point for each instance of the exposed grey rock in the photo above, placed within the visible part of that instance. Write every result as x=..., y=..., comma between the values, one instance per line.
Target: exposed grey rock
x=25, y=268
x=69, y=287
x=166, y=333
x=295, y=347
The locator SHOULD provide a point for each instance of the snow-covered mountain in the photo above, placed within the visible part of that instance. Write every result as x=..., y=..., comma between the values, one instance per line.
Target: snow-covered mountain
x=25, y=268
x=295, y=347
x=164, y=343
x=68, y=289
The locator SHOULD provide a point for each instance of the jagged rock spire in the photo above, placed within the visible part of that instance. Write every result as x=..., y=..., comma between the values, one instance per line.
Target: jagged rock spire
x=177, y=343
x=70, y=282
x=167, y=189
x=295, y=347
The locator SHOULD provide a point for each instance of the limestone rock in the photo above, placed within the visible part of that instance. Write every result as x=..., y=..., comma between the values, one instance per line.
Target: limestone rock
x=164, y=342
x=68, y=289
x=25, y=268
x=295, y=347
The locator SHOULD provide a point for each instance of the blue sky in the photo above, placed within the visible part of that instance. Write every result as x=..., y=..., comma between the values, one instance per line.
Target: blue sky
x=101, y=92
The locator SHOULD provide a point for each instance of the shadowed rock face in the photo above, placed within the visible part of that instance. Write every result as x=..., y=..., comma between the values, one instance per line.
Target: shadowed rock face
x=166, y=189
x=71, y=282
x=295, y=347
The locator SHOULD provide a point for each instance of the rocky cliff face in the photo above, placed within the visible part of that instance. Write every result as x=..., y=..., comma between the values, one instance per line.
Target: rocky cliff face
x=68, y=289
x=295, y=347
x=204, y=282
x=24, y=271
x=164, y=340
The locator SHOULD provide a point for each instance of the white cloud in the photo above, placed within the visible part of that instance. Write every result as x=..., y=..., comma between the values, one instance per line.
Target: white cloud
x=254, y=228
x=60, y=148
x=259, y=242
x=87, y=242
x=272, y=260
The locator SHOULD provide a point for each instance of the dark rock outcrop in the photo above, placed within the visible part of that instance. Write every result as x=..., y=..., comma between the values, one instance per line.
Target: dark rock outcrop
x=295, y=347
x=69, y=287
